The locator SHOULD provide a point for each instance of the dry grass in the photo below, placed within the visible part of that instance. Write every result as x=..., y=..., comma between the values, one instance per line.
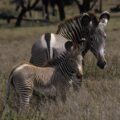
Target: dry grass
x=98, y=98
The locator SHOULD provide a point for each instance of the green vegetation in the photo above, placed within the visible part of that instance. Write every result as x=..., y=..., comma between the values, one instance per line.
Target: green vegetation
x=98, y=98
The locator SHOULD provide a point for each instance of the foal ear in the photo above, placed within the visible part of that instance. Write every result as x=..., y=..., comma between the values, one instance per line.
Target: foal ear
x=81, y=46
x=68, y=45
x=104, y=18
x=85, y=20
x=78, y=47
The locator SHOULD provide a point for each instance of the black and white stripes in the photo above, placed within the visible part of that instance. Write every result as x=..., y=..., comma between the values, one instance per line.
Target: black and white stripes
x=85, y=26
x=73, y=29
x=27, y=77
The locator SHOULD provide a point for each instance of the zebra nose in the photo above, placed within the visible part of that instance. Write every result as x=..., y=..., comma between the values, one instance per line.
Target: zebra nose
x=101, y=64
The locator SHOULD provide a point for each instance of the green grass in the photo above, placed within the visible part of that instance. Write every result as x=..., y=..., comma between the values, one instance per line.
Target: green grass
x=98, y=98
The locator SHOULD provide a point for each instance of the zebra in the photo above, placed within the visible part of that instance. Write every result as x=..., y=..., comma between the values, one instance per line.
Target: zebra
x=26, y=77
x=86, y=26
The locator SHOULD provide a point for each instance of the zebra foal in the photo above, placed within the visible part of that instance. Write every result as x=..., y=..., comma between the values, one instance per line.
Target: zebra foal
x=26, y=77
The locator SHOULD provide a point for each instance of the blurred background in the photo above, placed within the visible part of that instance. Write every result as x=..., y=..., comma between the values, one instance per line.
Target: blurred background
x=19, y=12
x=22, y=22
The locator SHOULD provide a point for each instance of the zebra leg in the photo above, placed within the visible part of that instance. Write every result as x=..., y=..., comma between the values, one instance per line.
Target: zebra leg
x=63, y=96
x=51, y=94
x=25, y=93
x=24, y=103
x=76, y=83
x=62, y=93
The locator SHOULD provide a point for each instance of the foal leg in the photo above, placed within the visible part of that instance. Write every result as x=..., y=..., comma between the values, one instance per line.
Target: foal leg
x=77, y=82
x=62, y=93
x=25, y=96
x=24, y=103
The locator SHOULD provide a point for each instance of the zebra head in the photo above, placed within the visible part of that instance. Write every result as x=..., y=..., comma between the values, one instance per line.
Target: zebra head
x=98, y=38
x=75, y=56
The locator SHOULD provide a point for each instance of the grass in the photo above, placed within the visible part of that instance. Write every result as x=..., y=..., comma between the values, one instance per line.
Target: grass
x=98, y=98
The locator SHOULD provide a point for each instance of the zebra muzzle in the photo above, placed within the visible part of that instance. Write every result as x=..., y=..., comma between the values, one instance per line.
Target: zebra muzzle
x=101, y=64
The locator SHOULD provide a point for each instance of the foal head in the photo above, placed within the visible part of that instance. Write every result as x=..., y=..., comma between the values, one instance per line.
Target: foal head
x=74, y=56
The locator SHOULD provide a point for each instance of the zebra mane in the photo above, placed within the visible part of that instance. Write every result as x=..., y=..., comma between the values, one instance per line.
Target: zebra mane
x=91, y=14
x=73, y=27
x=63, y=64
x=70, y=20
x=70, y=28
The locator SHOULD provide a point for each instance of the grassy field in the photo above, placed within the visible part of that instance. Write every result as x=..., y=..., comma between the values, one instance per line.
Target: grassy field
x=99, y=95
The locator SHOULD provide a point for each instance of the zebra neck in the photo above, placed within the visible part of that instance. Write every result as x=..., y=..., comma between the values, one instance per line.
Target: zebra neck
x=62, y=64
x=66, y=69
x=72, y=29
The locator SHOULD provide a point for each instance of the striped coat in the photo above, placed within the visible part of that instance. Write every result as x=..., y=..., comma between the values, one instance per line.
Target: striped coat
x=85, y=26
x=56, y=79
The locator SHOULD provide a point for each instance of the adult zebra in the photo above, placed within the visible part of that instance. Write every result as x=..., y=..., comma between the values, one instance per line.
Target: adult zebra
x=84, y=26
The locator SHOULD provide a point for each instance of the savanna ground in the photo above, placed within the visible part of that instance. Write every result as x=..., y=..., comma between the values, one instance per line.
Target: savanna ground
x=99, y=95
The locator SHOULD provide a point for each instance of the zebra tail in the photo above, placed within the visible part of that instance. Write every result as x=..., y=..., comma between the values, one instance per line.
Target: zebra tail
x=8, y=85
x=9, y=81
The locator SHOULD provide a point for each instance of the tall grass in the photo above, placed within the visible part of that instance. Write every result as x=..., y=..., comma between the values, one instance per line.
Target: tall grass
x=98, y=98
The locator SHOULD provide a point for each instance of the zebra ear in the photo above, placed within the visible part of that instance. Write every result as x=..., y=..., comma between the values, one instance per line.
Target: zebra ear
x=82, y=41
x=85, y=20
x=104, y=18
x=94, y=21
x=105, y=15
x=68, y=45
